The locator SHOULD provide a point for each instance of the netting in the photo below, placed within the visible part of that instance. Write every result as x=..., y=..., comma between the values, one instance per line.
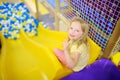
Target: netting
x=102, y=15
x=117, y=47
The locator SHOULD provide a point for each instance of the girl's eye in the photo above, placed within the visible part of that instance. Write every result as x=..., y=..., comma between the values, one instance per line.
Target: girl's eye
x=77, y=30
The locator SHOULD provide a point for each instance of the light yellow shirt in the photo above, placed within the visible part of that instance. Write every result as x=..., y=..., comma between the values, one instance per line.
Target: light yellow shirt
x=84, y=56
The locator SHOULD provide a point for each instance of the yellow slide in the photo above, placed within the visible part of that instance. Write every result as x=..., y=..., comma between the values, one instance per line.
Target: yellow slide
x=26, y=59
x=32, y=58
x=116, y=58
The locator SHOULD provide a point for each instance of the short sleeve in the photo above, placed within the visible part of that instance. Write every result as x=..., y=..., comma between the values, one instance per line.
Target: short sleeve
x=82, y=48
x=83, y=59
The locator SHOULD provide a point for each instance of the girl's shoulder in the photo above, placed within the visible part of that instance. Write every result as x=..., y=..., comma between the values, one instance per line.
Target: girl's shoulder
x=76, y=48
x=82, y=45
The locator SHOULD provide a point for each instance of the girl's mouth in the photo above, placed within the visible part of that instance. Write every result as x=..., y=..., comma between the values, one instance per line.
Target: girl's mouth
x=72, y=35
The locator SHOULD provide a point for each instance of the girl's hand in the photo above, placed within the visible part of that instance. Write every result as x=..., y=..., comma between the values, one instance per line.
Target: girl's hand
x=65, y=44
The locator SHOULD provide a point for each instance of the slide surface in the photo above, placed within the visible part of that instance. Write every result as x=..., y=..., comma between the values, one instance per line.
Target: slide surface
x=116, y=58
x=26, y=59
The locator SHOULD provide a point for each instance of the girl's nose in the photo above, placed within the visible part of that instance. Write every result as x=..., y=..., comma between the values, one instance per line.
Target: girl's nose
x=72, y=32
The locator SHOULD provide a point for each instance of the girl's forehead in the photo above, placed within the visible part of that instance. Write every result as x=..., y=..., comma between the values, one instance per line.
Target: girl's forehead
x=75, y=24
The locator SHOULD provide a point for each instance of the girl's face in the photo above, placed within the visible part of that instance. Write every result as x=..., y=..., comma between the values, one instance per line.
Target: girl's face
x=75, y=30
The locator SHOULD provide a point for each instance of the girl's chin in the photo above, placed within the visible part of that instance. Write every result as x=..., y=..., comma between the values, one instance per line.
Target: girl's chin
x=72, y=38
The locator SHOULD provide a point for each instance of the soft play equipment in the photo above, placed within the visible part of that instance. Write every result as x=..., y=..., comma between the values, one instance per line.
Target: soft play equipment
x=30, y=59
x=27, y=48
x=116, y=58
x=102, y=69
x=25, y=59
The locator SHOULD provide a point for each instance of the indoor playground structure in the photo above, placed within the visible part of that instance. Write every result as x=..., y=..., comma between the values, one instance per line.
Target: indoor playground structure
x=26, y=43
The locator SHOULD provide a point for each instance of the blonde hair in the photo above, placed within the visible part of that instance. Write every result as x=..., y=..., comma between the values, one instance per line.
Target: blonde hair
x=85, y=29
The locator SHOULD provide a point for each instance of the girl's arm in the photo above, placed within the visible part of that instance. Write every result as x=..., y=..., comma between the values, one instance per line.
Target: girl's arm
x=71, y=59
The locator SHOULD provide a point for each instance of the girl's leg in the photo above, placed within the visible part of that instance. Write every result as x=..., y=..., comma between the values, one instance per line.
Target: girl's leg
x=60, y=55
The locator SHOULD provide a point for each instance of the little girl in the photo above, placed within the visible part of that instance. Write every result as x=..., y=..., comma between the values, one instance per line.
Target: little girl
x=75, y=55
